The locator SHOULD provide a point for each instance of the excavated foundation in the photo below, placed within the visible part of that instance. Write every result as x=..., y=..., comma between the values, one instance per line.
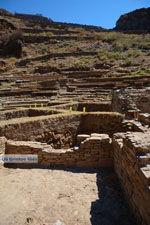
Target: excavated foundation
x=104, y=141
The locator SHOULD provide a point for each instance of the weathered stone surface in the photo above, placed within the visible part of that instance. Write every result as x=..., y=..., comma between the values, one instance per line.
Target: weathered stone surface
x=131, y=100
x=82, y=137
x=131, y=162
x=146, y=173
x=100, y=136
x=135, y=20
x=2, y=149
x=144, y=118
x=96, y=152
x=2, y=145
x=139, y=142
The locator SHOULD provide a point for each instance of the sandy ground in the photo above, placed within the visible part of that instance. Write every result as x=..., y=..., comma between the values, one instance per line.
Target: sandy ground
x=46, y=196
x=54, y=197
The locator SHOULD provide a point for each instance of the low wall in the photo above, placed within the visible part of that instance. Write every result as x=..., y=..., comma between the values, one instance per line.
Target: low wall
x=95, y=151
x=61, y=130
x=90, y=107
x=9, y=114
x=131, y=162
x=107, y=123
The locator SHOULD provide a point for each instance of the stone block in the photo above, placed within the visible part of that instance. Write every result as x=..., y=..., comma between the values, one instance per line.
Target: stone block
x=146, y=174
x=82, y=137
x=106, y=162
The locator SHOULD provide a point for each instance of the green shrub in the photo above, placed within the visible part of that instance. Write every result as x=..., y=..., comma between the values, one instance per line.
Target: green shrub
x=133, y=53
x=128, y=62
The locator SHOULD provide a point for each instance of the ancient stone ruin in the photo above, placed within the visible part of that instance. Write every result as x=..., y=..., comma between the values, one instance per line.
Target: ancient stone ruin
x=78, y=120
x=64, y=138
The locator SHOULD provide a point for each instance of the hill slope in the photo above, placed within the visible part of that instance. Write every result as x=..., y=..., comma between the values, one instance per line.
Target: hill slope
x=68, y=61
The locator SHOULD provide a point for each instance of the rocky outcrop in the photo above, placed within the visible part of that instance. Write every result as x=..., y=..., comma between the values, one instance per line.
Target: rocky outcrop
x=135, y=20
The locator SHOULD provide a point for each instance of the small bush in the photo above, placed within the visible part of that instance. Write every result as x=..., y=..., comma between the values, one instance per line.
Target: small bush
x=105, y=54
x=134, y=53
x=127, y=63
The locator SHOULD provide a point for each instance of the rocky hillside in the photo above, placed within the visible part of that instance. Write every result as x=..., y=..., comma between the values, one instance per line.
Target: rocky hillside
x=136, y=20
x=60, y=60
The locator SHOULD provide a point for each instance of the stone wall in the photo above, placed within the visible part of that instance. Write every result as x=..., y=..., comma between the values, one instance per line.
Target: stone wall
x=32, y=17
x=94, y=151
x=131, y=99
x=131, y=162
x=61, y=130
x=90, y=106
x=2, y=148
x=12, y=114
x=128, y=152
x=101, y=123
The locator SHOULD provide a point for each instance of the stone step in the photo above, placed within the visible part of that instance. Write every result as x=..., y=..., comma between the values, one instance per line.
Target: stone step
x=24, y=102
x=24, y=62
x=36, y=31
x=45, y=93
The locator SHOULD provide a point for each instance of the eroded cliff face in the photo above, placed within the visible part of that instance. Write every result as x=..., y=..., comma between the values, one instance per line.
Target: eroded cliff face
x=135, y=20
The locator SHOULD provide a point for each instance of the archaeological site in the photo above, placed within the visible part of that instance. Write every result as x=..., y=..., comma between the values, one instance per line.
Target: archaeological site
x=77, y=99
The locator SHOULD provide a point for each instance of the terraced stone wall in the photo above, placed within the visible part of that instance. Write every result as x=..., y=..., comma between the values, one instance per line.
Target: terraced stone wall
x=89, y=107
x=7, y=115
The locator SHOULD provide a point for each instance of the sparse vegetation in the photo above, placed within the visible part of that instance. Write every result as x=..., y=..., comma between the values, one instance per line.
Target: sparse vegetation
x=119, y=49
x=128, y=62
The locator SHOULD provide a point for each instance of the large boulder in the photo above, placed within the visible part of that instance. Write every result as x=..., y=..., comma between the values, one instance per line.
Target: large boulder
x=135, y=20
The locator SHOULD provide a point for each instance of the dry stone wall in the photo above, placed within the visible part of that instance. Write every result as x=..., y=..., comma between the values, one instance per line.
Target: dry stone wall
x=131, y=162
x=131, y=99
x=61, y=130
x=127, y=152
x=94, y=151
x=102, y=123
